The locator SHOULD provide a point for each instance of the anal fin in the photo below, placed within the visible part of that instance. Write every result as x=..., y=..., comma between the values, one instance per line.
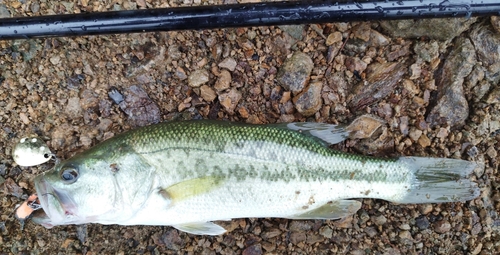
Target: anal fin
x=334, y=210
x=201, y=228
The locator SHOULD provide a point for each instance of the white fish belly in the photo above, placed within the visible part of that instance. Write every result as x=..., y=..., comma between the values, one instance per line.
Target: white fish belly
x=273, y=190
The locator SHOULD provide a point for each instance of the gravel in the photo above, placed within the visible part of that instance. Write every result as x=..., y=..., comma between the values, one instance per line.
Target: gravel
x=433, y=84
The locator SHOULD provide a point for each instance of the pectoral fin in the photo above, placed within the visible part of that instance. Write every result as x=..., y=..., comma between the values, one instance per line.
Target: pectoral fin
x=334, y=210
x=201, y=228
x=190, y=188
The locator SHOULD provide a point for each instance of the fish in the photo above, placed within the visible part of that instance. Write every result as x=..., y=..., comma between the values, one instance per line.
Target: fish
x=188, y=174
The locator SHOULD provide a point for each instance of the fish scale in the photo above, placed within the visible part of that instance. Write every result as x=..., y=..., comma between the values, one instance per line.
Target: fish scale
x=187, y=174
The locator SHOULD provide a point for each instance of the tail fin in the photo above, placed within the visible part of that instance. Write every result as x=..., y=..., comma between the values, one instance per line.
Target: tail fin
x=439, y=180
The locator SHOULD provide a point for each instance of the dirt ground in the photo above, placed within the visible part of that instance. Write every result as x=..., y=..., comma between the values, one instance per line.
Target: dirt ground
x=433, y=84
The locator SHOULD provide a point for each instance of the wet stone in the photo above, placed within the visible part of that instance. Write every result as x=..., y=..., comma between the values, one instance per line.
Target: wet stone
x=451, y=107
x=295, y=72
x=198, y=78
x=309, y=101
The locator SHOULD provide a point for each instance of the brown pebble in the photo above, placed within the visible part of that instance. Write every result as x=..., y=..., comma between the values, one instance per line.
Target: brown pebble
x=424, y=141
x=442, y=226
x=207, y=93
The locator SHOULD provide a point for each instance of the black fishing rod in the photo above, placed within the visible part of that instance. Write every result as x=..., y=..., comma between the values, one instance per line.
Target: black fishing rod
x=239, y=15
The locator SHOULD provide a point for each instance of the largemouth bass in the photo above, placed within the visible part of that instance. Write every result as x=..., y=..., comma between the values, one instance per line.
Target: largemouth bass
x=188, y=174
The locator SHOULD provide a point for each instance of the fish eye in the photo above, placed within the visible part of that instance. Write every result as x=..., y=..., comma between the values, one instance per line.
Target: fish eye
x=69, y=175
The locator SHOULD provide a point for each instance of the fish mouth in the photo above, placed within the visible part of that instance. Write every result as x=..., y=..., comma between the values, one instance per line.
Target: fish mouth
x=58, y=208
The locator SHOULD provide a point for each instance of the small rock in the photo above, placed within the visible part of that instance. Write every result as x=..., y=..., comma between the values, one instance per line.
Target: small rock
x=139, y=107
x=55, y=60
x=243, y=112
x=255, y=249
x=73, y=108
x=104, y=124
x=364, y=126
x=404, y=226
x=430, y=28
x=300, y=226
x=362, y=31
x=333, y=38
x=174, y=52
x=172, y=240
x=297, y=237
x=207, y=93
x=424, y=141
x=486, y=41
x=377, y=39
x=230, y=99
x=428, y=51
x=422, y=222
x=415, y=134
x=379, y=220
x=355, y=64
x=224, y=81
x=494, y=96
x=4, y=12
x=180, y=73
x=442, y=226
x=228, y=63
x=295, y=31
x=415, y=71
x=309, y=102
x=381, y=80
x=451, y=107
x=198, y=78
x=270, y=233
x=371, y=231
x=405, y=235
x=314, y=238
x=295, y=72
x=425, y=208
x=495, y=22
x=403, y=125
x=326, y=231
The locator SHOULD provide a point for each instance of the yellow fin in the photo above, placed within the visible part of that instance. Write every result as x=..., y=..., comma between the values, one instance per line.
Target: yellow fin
x=201, y=228
x=190, y=188
x=334, y=210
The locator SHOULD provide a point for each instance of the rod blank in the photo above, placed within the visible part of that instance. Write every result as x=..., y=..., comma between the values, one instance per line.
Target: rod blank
x=239, y=15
